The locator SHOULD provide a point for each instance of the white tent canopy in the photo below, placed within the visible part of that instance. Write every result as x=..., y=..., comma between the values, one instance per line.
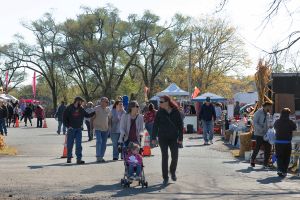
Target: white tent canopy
x=213, y=97
x=173, y=90
x=8, y=97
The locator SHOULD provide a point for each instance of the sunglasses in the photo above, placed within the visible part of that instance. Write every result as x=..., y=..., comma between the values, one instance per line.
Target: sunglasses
x=137, y=106
x=162, y=101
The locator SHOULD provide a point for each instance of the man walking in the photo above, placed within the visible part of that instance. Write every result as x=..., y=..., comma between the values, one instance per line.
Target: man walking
x=207, y=116
x=260, y=123
x=59, y=115
x=73, y=120
x=100, y=123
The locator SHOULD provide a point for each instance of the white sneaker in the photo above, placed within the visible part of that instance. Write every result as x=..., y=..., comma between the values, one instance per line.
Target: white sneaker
x=211, y=142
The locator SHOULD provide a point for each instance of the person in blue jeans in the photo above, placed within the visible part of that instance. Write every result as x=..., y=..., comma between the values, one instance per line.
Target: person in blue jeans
x=207, y=116
x=101, y=123
x=73, y=120
x=116, y=115
x=3, y=115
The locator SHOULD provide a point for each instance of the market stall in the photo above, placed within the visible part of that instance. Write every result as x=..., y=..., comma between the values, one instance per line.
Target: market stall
x=213, y=97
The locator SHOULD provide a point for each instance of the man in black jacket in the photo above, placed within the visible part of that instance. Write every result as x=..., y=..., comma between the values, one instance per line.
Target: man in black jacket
x=3, y=115
x=207, y=116
x=73, y=120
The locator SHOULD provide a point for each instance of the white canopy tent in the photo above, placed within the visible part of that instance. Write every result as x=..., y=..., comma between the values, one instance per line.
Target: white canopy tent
x=173, y=90
x=213, y=97
x=8, y=97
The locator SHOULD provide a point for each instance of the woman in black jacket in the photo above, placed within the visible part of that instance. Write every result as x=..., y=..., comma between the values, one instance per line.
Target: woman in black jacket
x=284, y=128
x=168, y=126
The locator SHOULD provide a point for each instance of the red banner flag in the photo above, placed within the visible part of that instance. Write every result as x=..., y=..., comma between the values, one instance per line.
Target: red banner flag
x=34, y=85
x=196, y=92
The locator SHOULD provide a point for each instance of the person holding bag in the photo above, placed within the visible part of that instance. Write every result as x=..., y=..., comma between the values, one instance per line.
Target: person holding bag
x=168, y=127
x=261, y=125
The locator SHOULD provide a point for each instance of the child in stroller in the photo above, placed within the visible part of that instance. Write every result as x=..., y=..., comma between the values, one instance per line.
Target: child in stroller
x=133, y=163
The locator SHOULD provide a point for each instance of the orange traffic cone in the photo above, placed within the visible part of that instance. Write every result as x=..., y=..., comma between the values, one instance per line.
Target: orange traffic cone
x=65, y=151
x=45, y=124
x=17, y=123
x=147, y=148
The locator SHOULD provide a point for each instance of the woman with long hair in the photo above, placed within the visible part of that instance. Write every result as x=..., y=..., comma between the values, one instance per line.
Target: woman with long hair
x=116, y=114
x=168, y=127
x=131, y=125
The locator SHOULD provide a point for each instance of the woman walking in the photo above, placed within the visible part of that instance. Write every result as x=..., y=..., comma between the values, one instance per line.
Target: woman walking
x=168, y=127
x=116, y=114
x=40, y=115
x=131, y=125
x=284, y=128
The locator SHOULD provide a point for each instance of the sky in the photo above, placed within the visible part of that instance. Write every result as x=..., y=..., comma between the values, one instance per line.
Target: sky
x=247, y=16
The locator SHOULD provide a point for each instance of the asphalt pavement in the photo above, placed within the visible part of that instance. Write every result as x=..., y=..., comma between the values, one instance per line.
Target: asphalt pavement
x=204, y=172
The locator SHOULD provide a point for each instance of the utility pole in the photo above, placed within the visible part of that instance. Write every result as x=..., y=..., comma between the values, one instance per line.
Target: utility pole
x=190, y=68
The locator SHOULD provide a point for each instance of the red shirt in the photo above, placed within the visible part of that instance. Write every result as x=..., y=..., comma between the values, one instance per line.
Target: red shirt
x=132, y=132
x=149, y=116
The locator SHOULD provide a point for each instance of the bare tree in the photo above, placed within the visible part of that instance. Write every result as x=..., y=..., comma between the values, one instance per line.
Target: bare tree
x=44, y=56
x=216, y=50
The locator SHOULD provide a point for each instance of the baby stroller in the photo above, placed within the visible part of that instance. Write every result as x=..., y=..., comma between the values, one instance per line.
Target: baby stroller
x=126, y=180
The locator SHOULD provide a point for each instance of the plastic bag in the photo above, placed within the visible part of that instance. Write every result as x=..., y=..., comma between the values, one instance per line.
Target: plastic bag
x=270, y=136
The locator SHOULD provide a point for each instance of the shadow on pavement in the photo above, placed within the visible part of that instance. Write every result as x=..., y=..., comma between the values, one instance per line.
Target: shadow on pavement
x=67, y=164
x=196, y=145
x=270, y=180
x=232, y=162
x=123, y=192
x=294, y=178
x=196, y=138
x=250, y=169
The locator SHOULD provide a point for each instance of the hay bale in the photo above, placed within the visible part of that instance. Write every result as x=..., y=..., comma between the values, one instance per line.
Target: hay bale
x=245, y=143
x=2, y=142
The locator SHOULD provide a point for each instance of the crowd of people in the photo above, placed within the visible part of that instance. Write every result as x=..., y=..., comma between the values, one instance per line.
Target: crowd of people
x=11, y=111
x=165, y=127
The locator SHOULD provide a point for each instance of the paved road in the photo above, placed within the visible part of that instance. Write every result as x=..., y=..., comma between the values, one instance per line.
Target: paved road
x=204, y=172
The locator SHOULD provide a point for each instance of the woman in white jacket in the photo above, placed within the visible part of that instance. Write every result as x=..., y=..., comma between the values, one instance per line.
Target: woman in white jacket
x=131, y=125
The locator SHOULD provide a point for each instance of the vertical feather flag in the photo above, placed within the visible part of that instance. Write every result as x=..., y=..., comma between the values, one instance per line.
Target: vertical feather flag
x=34, y=84
x=196, y=92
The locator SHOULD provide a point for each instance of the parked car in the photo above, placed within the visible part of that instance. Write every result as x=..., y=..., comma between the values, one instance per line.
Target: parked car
x=245, y=107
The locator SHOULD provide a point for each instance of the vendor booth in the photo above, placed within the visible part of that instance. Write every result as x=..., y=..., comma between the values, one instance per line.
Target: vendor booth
x=213, y=97
x=173, y=90
x=182, y=96
x=8, y=97
x=219, y=125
